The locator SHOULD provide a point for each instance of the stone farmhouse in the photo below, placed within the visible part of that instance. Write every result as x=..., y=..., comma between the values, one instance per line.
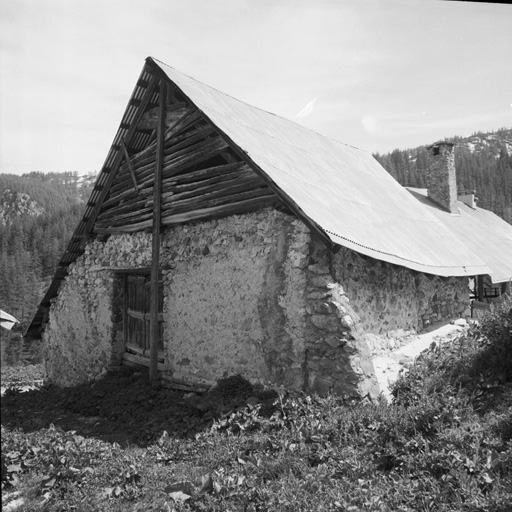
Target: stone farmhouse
x=221, y=239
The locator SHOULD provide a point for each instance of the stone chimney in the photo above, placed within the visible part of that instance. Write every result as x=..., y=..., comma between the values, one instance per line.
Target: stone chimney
x=441, y=182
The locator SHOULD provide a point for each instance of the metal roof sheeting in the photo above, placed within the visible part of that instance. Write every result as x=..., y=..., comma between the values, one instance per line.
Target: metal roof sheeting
x=342, y=189
x=483, y=232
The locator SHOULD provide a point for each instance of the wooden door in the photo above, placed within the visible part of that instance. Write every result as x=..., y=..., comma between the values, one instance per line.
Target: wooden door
x=137, y=315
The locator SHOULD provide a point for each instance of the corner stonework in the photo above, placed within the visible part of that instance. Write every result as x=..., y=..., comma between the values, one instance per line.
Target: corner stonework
x=338, y=359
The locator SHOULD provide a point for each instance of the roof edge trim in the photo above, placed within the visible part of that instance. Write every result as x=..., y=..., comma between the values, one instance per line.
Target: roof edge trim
x=439, y=270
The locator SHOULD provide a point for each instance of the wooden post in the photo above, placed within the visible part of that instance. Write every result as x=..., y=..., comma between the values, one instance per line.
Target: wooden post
x=155, y=254
x=130, y=166
x=480, y=288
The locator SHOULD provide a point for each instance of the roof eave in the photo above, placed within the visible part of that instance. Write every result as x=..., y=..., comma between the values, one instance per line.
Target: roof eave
x=443, y=271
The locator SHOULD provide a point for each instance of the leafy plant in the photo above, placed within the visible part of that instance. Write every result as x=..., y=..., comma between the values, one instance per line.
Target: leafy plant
x=444, y=445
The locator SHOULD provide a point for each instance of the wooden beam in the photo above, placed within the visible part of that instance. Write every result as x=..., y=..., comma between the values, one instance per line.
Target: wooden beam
x=226, y=186
x=187, y=197
x=231, y=208
x=173, y=113
x=236, y=205
x=207, y=172
x=176, y=163
x=142, y=83
x=142, y=361
x=221, y=200
x=118, y=157
x=112, y=200
x=130, y=166
x=198, y=184
x=193, y=179
x=145, y=165
x=480, y=288
x=125, y=219
x=183, y=385
x=127, y=205
x=130, y=228
x=184, y=160
x=183, y=124
x=155, y=251
x=144, y=161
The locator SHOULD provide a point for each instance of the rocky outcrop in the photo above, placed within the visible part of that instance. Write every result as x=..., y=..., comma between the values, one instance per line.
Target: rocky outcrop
x=17, y=204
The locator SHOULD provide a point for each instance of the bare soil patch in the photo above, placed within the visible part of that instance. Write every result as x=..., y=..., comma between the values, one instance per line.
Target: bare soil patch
x=124, y=408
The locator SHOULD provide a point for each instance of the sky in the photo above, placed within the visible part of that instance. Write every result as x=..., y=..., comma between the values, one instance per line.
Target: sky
x=375, y=74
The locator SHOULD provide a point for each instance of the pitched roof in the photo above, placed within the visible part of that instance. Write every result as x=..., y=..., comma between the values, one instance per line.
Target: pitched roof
x=486, y=234
x=340, y=191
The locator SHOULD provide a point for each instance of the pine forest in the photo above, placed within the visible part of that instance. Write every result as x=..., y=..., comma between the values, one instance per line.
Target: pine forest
x=483, y=163
x=38, y=214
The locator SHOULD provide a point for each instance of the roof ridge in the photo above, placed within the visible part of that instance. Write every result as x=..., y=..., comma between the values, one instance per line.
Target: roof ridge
x=259, y=108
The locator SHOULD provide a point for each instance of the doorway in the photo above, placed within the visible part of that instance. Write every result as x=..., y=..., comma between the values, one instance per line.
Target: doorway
x=137, y=317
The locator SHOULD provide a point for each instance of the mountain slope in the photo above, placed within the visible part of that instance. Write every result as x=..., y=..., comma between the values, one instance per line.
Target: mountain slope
x=38, y=214
x=483, y=162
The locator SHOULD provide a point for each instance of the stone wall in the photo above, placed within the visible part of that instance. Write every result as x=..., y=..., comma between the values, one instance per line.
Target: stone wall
x=338, y=358
x=254, y=294
x=241, y=295
x=391, y=300
x=80, y=339
x=246, y=295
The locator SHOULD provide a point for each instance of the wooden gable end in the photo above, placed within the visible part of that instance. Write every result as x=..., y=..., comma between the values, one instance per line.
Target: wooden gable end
x=202, y=176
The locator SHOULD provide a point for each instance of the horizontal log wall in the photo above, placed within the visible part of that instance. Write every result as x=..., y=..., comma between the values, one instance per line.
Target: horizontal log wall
x=201, y=179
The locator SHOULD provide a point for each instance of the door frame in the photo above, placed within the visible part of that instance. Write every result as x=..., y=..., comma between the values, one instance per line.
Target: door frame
x=132, y=354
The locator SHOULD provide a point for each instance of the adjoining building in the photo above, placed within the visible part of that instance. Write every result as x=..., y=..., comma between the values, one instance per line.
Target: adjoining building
x=257, y=247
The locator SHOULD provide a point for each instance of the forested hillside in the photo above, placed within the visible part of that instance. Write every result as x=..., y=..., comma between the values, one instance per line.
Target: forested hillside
x=483, y=163
x=38, y=214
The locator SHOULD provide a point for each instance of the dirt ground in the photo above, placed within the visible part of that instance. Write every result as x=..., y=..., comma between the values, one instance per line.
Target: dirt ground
x=124, y=408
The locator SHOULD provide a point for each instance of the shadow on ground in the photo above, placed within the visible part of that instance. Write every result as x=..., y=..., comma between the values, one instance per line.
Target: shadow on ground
x=124, y=408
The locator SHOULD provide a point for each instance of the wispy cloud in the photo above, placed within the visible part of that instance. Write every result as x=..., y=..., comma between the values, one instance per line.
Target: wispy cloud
x=306, y=111
x=370, y=123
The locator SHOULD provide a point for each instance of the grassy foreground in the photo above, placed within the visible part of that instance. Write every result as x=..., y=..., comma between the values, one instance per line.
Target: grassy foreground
x=444, y=444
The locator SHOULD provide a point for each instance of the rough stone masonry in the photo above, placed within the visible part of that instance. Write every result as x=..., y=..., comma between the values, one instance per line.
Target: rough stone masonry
x=254, y=294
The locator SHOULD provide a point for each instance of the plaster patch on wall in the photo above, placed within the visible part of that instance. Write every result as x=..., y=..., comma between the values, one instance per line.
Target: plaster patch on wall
x=233, y=298
x=78, y=337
